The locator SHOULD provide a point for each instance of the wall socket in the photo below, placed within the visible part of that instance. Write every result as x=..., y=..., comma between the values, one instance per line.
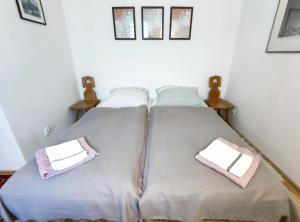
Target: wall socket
x=47, y=131
x=233, y=111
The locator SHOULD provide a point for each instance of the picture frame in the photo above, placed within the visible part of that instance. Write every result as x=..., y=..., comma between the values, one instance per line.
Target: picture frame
x=31, y=10
x=124, y=23
x=152, y=22
x=181, y=19
x=285, y=32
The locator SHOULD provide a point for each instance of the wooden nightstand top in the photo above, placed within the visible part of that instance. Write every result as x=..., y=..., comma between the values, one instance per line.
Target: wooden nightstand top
x=84, y=105
x=222, y=104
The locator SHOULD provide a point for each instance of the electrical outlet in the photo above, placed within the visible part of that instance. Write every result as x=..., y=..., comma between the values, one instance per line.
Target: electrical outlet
x=47, y=131
x=233, y=111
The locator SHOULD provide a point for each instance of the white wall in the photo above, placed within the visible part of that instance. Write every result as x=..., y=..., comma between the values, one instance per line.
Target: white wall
x=152, y=64
x=8, y=147
x=266, y=88
x=36, y=75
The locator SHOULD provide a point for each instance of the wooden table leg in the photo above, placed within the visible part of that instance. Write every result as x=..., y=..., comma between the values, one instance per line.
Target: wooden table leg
x=226, y=115
x=77, y=115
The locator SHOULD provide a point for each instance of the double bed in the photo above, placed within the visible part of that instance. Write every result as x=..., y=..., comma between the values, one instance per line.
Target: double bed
x=146, y=171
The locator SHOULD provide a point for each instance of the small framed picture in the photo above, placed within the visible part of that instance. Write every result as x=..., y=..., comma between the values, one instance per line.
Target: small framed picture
x=181, y=23
x=31, y=10
x=152, y=23
x=124, y=23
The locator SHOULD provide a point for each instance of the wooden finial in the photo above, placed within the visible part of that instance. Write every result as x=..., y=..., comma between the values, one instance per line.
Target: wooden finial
x=214, y=93
x=88, y=83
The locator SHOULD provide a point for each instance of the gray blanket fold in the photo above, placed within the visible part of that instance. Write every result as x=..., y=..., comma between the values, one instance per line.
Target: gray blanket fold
x=178, y=187
x=108, y=187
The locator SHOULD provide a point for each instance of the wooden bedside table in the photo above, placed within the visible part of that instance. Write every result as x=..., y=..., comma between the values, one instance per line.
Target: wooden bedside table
x=220, y=106
x=83, y=105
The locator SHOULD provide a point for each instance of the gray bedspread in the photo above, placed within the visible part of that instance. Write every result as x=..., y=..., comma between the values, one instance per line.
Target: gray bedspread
x=108, y=187
x=178, y=187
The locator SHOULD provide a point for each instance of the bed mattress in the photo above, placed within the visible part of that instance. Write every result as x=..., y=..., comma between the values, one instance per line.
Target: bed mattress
x=178, y=187
x=107, y=188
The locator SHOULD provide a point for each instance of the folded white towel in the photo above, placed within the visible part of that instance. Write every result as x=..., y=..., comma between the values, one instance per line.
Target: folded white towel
x=240, y=171
x=227, y=158
x=65, y=155
x=241, y=166
x=220, y=154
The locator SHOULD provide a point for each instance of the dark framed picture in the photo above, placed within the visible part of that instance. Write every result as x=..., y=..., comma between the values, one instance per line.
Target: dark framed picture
x=31, y=10
x=124, y=23
x=181, y=19
x=152, y=23
x=285, y=33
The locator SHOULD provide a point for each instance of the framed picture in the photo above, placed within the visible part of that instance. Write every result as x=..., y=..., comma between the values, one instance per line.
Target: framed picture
x=124, y=23
x=285, y=34
x=152, y=23
x=181, y=23
x=31, y=10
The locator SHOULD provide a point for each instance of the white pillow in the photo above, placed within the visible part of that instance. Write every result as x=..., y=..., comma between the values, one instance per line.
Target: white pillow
x=126, y=97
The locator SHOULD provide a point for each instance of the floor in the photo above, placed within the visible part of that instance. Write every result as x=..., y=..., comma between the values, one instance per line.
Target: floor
x=3, y=179
x=295, y=195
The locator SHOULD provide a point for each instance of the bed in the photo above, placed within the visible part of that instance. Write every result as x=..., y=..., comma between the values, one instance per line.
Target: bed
x=106, y=188
x=177, y=187
x=122, y=184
